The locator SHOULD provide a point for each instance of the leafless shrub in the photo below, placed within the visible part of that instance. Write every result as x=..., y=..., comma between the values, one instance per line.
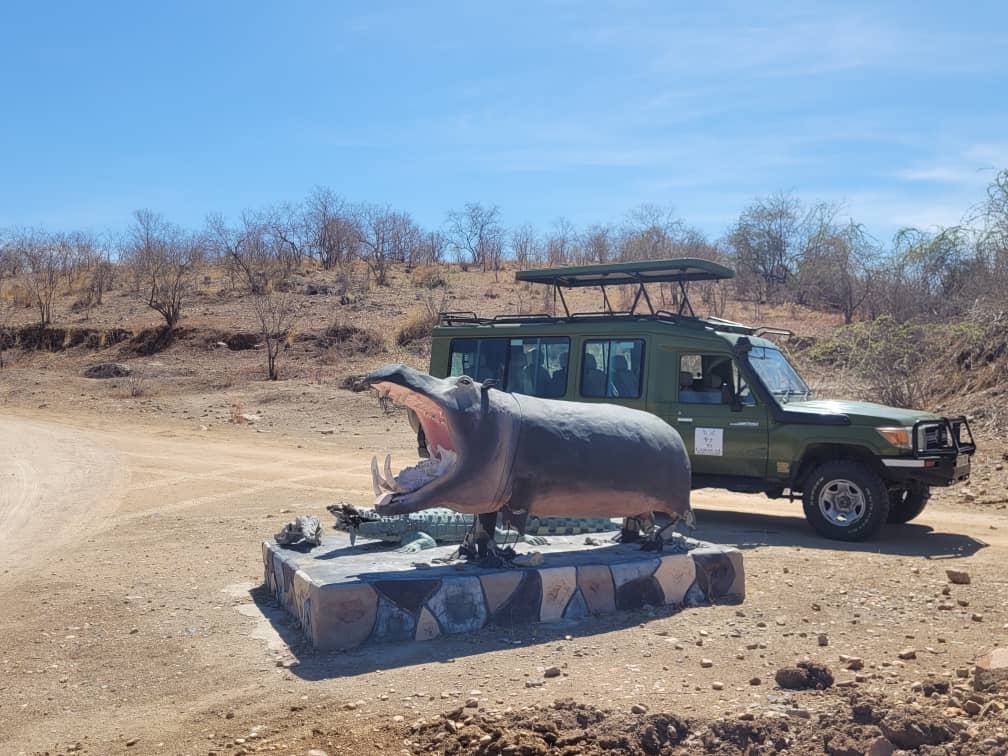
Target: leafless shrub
x=420, y=321
x=428, y=277
x=276, y=312
x=136, y=382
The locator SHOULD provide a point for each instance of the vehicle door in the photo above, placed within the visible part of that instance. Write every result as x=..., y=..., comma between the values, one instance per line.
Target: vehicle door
x=723, y=425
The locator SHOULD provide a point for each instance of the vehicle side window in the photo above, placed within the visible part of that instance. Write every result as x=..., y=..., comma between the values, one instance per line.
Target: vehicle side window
x=480, y=359
x=711, y=379
x=538, y=366
x=533, y=366
x=612, y=368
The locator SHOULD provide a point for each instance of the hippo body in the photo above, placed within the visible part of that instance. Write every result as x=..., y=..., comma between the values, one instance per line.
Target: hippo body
x=494, y=451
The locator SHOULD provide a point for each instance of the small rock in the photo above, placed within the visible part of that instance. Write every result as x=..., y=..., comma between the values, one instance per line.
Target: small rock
x=706, y=663
x=880, y=747
x=962, y=672
x=317, y=752
x=991, y=669
x=472, y=703
x=552, y=672
x=755, y=681
x=958, y=577
x=908, y=653
x=132, y=742
x=638, y=709
x=823, y=639
x=972, y=708
x=717, y=685
x=976, y=617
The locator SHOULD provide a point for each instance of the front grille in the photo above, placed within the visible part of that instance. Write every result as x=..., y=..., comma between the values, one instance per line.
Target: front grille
x=934, y=437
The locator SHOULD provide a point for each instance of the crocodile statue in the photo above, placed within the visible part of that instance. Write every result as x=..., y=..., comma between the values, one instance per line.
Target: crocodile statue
x=424, y=530
x=494, y=452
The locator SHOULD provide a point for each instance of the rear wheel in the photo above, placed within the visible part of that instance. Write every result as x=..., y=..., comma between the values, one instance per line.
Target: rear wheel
x=846, y=501
x=906, y=503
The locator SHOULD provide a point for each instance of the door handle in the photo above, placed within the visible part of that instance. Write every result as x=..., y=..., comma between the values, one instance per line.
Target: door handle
x=744, y=424
x=685, y=419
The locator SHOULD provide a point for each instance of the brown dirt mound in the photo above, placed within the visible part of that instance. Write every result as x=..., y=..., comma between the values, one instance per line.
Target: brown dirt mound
x=805, y=676
x=565, y=727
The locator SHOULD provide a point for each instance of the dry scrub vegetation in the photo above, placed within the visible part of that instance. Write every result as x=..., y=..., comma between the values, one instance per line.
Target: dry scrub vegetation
x=327, y=288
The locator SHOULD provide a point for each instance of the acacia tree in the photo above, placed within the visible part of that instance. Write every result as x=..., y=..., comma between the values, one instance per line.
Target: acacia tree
x=276, y=312
x=245, y=247
x=163, y=258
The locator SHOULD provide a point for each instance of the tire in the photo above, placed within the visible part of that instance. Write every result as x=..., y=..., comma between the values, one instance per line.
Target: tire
x=906, y=503
x=846, y=501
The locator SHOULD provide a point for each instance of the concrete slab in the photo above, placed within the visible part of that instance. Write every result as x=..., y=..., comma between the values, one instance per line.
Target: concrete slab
x=343, y=596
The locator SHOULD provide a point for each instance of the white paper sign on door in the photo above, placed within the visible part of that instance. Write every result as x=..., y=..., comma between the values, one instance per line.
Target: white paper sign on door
x=709, y=442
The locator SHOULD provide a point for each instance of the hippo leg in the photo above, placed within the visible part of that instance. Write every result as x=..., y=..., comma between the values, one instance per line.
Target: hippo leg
x=630, y=532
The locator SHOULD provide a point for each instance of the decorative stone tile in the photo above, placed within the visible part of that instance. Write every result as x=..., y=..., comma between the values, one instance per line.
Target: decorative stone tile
x=523, y=605
x=498, y=587
x=596, y=585
x=458, y=605
x=695, y=596
x=558, y=585
x=409, y=595
x=427, y=626
x=715, y=571
x=576, y=607
x=624, y=572
x=343, y=615
x=675, y=575
x=635, y=593
x=393, y=623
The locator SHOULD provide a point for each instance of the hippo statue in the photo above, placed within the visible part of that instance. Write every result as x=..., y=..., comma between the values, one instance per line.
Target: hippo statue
x=494, y=452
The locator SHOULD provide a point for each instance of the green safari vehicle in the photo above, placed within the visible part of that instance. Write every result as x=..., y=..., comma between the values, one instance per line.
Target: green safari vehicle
x=748, y=420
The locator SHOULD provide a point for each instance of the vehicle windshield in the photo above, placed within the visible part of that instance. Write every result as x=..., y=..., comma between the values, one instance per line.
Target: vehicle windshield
x=778, y=375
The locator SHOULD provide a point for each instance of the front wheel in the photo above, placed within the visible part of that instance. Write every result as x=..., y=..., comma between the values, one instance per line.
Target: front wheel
x=846, y=501
x=906, y=503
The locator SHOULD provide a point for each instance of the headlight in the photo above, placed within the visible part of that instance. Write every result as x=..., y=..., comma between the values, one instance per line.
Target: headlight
x=901, y=438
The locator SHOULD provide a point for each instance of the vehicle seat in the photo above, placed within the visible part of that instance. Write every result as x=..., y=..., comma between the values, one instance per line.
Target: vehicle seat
x=624, y=379
x=593, y=381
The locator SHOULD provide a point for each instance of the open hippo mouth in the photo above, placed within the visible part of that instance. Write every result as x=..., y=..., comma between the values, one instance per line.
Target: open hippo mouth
x=409, y=390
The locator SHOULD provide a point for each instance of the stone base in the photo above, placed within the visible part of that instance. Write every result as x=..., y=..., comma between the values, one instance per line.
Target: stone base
x=345, y=596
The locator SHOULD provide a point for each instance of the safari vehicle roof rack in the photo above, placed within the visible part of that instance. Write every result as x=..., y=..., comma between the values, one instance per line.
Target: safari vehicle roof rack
x=680, y=271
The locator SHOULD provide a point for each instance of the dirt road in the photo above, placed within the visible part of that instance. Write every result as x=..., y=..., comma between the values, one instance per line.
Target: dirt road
x=130, y=619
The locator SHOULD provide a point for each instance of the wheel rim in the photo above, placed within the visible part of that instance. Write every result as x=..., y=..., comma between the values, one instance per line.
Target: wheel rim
x=842, y=503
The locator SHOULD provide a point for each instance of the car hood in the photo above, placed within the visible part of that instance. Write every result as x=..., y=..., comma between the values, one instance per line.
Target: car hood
x=861, y=413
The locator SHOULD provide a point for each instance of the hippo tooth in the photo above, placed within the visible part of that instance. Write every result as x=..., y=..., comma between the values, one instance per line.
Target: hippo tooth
x=375, y=477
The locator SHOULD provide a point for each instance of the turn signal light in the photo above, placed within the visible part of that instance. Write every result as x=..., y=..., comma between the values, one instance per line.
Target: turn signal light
x=898, y=437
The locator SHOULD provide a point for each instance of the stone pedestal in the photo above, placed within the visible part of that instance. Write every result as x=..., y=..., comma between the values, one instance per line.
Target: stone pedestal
x=345, y=596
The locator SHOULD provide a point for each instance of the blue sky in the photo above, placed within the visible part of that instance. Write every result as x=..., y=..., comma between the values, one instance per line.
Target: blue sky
x=549, y=109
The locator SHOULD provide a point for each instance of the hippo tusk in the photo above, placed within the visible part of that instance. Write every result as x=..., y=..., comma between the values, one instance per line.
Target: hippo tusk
x=376, y=479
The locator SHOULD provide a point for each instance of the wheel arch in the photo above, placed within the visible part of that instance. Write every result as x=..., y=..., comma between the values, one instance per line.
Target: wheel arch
x=816, y=454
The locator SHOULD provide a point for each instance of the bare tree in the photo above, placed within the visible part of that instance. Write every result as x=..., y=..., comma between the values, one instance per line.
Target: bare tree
x=163, y=258
x=331, y=228
x=246, y=248
x=276, y=312
x=42, y=259
x=476, y=232
x=524, y=245
x=431, y=248
x=6, y=332
x=376, y=228
x=597, y=244
x=290, y=234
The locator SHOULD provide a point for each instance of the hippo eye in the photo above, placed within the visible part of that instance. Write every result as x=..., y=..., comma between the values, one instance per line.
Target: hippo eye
x=465, y=380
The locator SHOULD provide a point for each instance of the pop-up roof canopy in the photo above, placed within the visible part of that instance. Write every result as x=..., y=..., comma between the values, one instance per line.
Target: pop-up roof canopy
x=680, y=271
